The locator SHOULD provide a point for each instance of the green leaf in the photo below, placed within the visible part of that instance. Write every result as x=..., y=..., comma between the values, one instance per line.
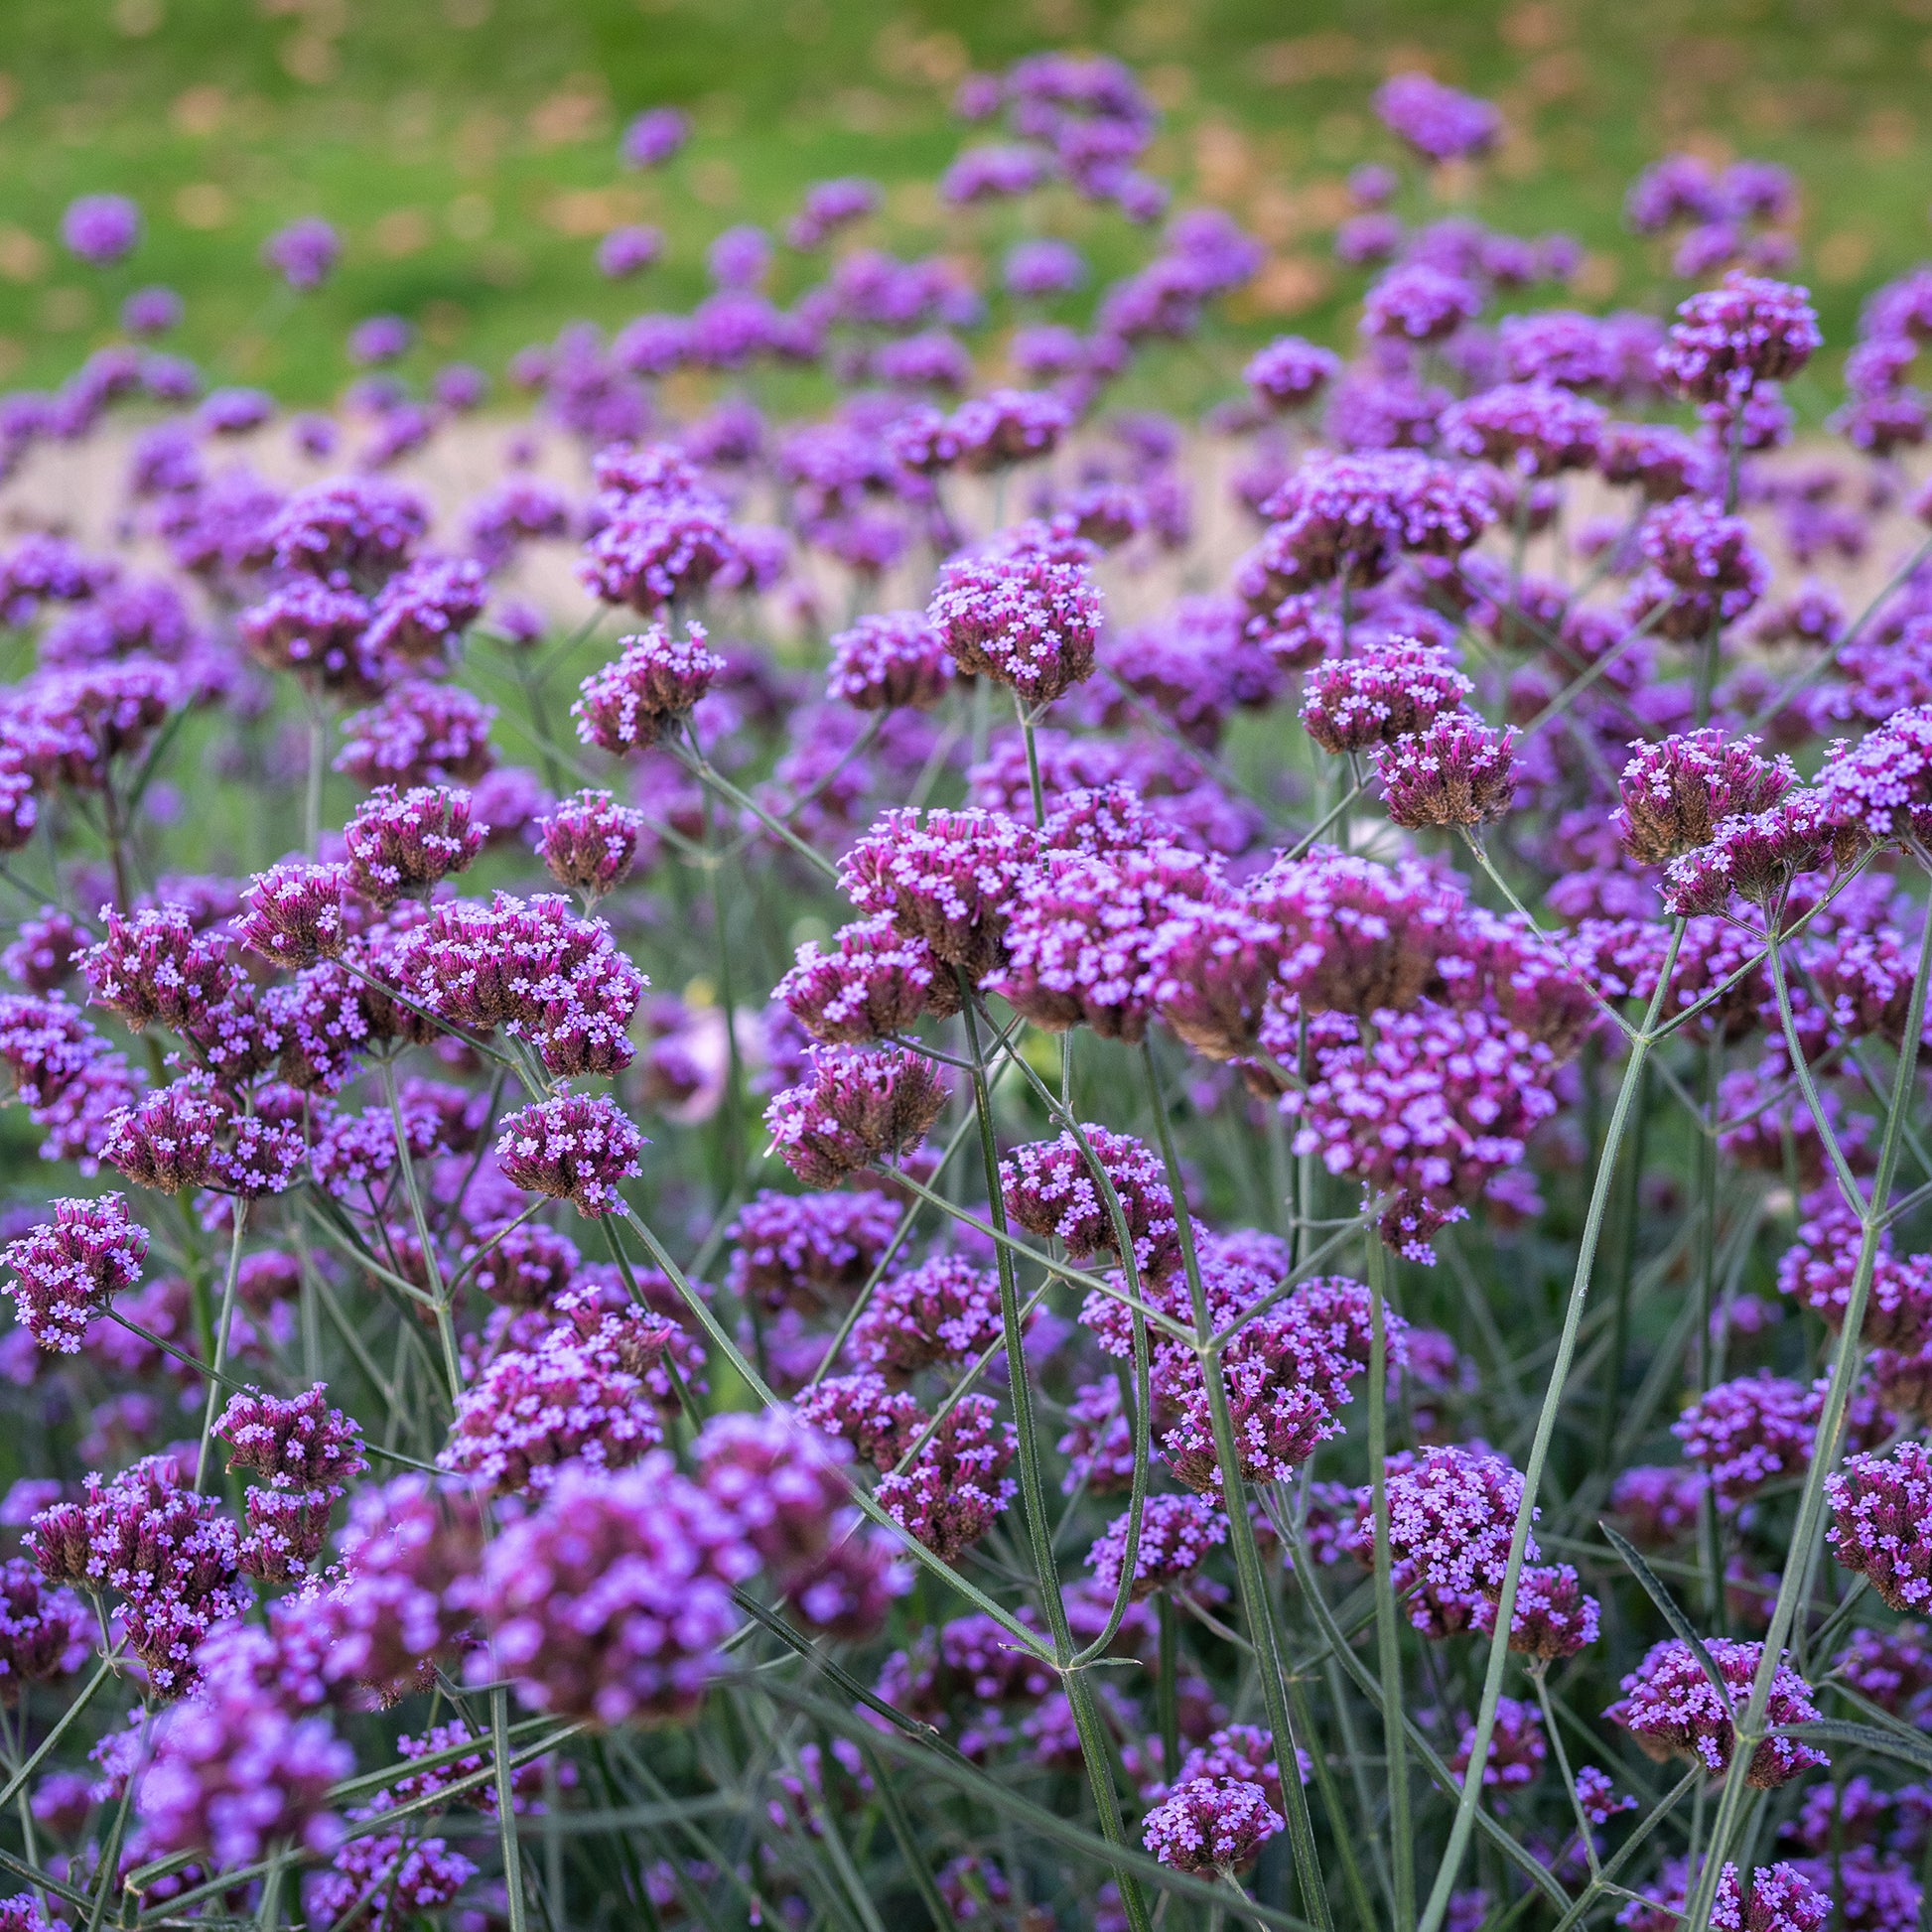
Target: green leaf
x=1654, y=1588
x=1899, y=1744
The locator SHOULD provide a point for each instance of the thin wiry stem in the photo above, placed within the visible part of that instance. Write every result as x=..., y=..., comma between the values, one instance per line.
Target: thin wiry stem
x=1750, y=1727
x=1546, y=1423
x=1033, y=1491
x=1256, y=1599
x=217, y=1365
x=1388, y=1612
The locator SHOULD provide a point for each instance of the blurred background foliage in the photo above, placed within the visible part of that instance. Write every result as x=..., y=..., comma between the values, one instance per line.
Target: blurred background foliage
x=467, y=148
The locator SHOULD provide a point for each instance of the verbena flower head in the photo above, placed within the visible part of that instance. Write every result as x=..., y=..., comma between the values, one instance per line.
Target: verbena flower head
x=1674, y=793
x=1214, y=1825
x=956, y=1487
x=1351, y=518
x=1880, y=789
x=64, y=1273
x=1389, y=691
x=101, y=228
x=421, y=614
x=1755, y=857
x=532, y=967
x=881, y=1423
x=1517, y=1747
x=1709, y=557
x=876, y=982
x=890, y=660
x=1009, y=426
x=630, y=703
x=1024, y=612
x=419, y=733
x=168, y=1554
x=654, y=137
x=1081, y=947
x=945, y=1310
x=1727, y=341
x=1439, y=123
x=1457, y=770
x=245, y=1763
x=1356, y=938
x=1283, y=1387
x=575, y=1401
x=858, y=1107
x=1749, y=1432
x=1417, y=303
x=293, y=1442
x=589, y=842
x=1177, y=1535
x=609, y=1603
x=1555, y=1616
x=1673, y=1709
x=575, y=1148
x=1822, y=1266
x=949, y=878
x=293, y=912
x=1879, y=1525
x=1290, y=373
x=1535, y=428
x=1051, y=1190
x=304, y=253
x=1451, y=1520
x=401, y=843
x=627, y=250
x=45, y=1634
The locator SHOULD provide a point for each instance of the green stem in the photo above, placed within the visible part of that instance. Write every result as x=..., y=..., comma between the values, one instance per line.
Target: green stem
x=1546, y=1423
x=439, y=1290
x=1033, y=1488
x=312, y=792
x=1025, y=717
x=1166, y=1693
x=512, y=1850
x=1388, y=1609
x=1750, y=1727
x=218, y=1366
x=1270, y=1660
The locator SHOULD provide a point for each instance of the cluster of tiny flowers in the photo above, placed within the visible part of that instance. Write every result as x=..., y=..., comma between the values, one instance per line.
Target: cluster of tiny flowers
x=170, y=1555
x=573, y=1401
x=1677, y=792
x=575, y=1148
x=1880, y=1524
x=1673, y=1709
x=64, y=1273
x=874, y=984
x=859, y=1107
x=1024, y=613
x=653, y=682
x=589, y=843
x=1175, y=1535
x=890, y=661
x=1211, y=1825
x=1085, y=1196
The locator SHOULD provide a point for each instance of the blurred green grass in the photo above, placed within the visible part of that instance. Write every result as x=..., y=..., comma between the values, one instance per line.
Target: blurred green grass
x=467, y=148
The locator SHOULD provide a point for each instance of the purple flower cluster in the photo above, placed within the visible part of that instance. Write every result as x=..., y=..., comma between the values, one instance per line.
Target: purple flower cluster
x=1673, y=1709
x=65, y=1272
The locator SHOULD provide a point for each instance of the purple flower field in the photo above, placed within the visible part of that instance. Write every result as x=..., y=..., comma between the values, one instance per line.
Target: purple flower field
x=806, y=1127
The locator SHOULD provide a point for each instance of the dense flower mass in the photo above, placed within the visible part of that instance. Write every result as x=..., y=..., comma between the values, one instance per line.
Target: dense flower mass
x=1277, y=984
x=1025, y=615
x=1672, y=1709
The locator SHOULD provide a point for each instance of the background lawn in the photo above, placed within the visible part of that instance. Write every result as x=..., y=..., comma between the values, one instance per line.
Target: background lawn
x=467, y=148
